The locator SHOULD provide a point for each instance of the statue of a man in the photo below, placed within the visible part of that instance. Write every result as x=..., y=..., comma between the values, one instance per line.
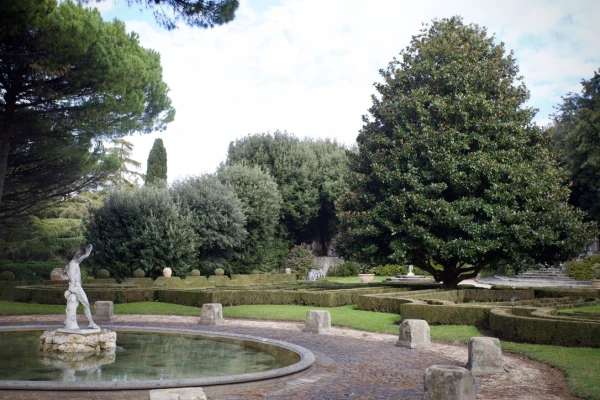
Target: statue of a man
x=75, y=293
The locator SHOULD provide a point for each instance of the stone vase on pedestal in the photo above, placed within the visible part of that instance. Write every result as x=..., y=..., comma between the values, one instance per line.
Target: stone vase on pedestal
x=167, y=272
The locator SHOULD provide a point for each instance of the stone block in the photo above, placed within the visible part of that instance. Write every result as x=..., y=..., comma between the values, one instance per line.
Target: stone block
x=103, y=311
x=448, y=382
x=193, y=393
x=485, y=356
x=212, y=314
x=414, y=333
x=317, y=321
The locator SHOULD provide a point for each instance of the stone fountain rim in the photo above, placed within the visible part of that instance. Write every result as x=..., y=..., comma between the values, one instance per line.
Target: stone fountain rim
x=307, y=359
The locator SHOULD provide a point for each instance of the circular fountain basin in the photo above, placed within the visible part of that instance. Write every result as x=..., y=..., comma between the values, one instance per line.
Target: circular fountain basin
x=148, y=359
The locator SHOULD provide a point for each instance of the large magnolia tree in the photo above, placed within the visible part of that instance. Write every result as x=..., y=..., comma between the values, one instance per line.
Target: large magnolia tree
x=451, y=174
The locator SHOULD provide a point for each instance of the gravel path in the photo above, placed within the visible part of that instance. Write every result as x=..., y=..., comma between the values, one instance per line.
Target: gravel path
x=350, y=364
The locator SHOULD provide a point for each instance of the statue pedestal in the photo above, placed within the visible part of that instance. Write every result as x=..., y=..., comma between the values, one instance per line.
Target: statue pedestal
x=78, y=341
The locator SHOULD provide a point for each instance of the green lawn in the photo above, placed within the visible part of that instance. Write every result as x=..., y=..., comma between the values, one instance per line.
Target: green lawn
x=595, y=309
x=581, y=365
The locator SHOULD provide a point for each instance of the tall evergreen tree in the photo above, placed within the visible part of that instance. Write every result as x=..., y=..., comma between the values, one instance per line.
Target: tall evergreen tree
x=68, y=80
x=156, y=169
x=451, y=173
x=576, y=133
x=126, y=176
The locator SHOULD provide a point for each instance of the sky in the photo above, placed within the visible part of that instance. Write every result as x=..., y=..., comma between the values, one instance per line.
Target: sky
x=308, y=66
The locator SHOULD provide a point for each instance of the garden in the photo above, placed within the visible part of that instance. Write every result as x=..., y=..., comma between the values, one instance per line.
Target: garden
x=450, y=179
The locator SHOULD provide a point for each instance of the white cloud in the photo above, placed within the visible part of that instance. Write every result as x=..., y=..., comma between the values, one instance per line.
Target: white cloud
x=307, y=66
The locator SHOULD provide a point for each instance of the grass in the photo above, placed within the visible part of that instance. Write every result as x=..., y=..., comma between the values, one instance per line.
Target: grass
x=595, y=309
x=581, y=365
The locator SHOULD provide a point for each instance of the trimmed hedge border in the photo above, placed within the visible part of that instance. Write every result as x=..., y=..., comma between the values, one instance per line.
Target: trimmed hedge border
x=533, y=329
x=537, y=321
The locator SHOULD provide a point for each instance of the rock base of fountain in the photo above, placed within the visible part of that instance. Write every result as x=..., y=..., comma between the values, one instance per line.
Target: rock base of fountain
x=78, y=341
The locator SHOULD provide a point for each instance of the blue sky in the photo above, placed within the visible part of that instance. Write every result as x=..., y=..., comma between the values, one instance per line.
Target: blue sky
x=308, y=66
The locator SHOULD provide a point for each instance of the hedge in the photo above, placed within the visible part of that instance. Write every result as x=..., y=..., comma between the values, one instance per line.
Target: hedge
x=555, y=331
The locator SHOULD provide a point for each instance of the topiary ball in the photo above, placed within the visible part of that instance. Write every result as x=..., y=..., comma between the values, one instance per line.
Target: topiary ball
x=139, y=273
x=7, y=276
x=195, y=272
x=102, y=274
x=219, y=271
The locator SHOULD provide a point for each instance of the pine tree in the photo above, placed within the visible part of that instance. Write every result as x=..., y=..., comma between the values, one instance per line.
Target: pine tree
x=125, y=177
x=156, y=170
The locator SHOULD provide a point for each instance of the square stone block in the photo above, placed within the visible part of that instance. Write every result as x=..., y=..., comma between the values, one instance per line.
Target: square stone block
x=414, y=333
x=103, y=311
x=193, y=393
x=212, y=314
x=317, y=321
x=448, y=382
x=485, y=356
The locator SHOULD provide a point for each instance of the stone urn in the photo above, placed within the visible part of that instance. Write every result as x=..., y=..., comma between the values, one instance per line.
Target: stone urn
x=366, y=278
x=56, y=274
x=288, y=271
x=167, y=272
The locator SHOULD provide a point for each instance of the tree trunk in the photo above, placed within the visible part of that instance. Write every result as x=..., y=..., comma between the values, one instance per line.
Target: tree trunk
x=4, y=148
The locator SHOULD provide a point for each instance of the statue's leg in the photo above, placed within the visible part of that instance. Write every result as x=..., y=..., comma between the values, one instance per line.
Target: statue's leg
x=72, y=303
x=86, y=307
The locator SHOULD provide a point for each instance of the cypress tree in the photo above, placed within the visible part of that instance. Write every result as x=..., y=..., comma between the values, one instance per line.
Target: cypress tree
x=156, y=170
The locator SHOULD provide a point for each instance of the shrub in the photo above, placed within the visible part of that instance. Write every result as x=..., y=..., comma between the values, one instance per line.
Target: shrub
x=583, y=269
x=300, y=260
x=216, y=217
x=141, y=228
x=219, y=272
x=390, y=270
x=7, y=276
x=261, y=203
x=349, y=268
x=139, y=273
x=195, y=272
x=102, y=274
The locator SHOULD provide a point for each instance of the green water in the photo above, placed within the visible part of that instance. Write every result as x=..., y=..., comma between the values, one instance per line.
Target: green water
x=140, y=356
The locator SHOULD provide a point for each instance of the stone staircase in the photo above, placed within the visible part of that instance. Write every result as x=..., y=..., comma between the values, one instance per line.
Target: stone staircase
x=551, y=276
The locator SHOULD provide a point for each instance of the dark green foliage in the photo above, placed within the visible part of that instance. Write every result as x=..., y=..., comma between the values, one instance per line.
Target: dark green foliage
x=139, y=273
x=395, y=269
x=349, y=268
x=219, y=272
x=7, y=276
x=67, y=80
x=451, y=174
x=102, y=274
x=156, y=169
x=198, y=13
x=309, y=176
x=261, y=202
x=141, y=228
x=216, y=217
x=31, y=272
x=583, y=269
x=300, y=260
x=575, y=135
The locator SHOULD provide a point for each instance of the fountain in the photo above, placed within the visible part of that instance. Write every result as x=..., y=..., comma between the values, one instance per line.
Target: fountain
x=72, y=358
x=71, y=338
x=410, y=277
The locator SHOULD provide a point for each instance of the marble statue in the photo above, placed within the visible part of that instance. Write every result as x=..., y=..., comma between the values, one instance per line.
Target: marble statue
x=410, y=269
x=75, y=293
